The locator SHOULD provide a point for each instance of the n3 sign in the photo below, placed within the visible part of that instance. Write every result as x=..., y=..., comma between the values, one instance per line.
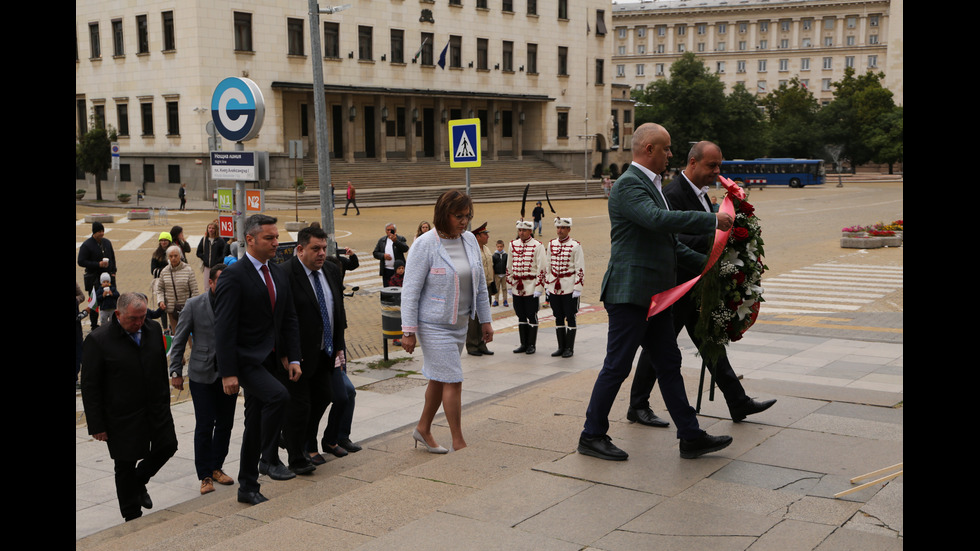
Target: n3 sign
x=237, y=109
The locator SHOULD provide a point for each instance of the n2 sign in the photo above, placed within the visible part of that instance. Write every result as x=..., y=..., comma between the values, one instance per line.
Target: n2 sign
x=237, y=109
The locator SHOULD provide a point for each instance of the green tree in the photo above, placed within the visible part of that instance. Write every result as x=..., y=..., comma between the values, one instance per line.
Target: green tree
x=690, y=104
x=744, y=133
x=887, y=139
x=793, y=128
x=93, y=155
x=861, y=105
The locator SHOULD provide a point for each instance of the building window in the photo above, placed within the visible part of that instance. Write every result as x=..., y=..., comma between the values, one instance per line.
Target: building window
x=507, y=124
x=622, y=32
x=784, y=25
x=722, y=28
x=720, y=47
x=243, y=32
x=641, y=48
x=125, y=173
x=761, y=87
x=763, y=44
x=828, y=63
x=661, y=30
x=562, y=61
x=763, y=26
x=169, y=36
x=294, y=35
x=740, y=66
x=600, y=72
x=173, y=120
x=93, y=39
x=741, y=45
x=850, y=40
x=622, y=50
x=600, y=22
x=99, y=116
x=659, y=69
x=807, y=43
x=456, y=51
x=680, y=47
x=641, y=32
x=807, y=24
x=400, y=122
x=700, y=46
x=365, y=42
x=743, y=27
x=122, y=119
x=784, y=65
x=507, y=56
x=562, y=9
x=873, y=20
x=532, y=59
x=562, y=124
x=828, y=41
x=873, y=39
x=507, y=6
x=627, y=117
x=481, y=4
x=621, y=70
x=660, y=48
x=851, y=22
x=427, y=49
x=640, y=69
x=331, y=40
x=146, y=115
x=720, y=67
x=173, y=174
x=762, y=65
x=702, y=28
x=482, y=54
x=825, y=85
x=872, y=62
x=455, y=2
x=681, y=30
x=397, y=46
x=849, y=61
x=149, y=173
x=805, y=82
x=117, y=37
x=784, y=44
x=532, y=7
x=142, y=35
x=805, y=64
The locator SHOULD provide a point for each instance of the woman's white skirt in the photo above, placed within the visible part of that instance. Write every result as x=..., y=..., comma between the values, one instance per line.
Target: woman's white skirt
x=442, y=348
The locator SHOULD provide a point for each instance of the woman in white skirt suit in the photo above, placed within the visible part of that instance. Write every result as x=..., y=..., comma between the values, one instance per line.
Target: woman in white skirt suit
x=444, y=287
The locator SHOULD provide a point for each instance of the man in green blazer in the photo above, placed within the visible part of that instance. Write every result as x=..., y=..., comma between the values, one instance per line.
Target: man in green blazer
x=643, y=261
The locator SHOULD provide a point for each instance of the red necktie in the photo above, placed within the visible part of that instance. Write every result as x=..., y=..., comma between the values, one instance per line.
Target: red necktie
x=268, y=283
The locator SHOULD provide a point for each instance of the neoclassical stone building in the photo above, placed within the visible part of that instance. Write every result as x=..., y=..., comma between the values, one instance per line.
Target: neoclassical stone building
x=537, y=74
x=761, y=43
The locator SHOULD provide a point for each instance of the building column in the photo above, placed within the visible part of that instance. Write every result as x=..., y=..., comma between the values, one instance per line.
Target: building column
x=347, y=102
x=382, y=131
x=410, y=148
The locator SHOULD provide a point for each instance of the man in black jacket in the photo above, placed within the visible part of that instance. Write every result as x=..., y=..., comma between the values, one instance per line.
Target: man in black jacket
x=97, y=257
x=390, y=248
x=126, y=396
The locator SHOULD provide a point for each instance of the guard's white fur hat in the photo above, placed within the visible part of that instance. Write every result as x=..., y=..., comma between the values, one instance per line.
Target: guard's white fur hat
x=563, y=222
x=525, y=225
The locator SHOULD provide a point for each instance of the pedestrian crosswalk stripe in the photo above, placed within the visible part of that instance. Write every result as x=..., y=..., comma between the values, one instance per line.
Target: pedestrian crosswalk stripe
x=828, y=288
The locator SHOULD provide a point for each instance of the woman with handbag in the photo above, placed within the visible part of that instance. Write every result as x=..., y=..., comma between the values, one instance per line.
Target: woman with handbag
x=176, y=284
x=444, y=287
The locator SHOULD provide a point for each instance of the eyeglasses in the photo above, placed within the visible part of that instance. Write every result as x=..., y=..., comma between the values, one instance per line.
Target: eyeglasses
x=462, y=217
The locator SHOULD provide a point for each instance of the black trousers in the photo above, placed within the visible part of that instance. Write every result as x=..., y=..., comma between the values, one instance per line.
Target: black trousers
x=132, y=475
x=265, y=410
x=685, y=315
x=308, y=399
x=564, y=307
x=526, y=309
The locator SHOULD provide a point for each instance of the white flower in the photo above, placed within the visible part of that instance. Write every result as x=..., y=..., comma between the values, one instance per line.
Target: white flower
x=746, y=308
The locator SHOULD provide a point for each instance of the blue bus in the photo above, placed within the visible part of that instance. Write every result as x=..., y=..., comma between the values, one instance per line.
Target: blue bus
x=774, y=172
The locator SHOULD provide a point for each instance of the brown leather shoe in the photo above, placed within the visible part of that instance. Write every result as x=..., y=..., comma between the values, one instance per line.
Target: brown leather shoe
x=207, y=485
x=221, y=478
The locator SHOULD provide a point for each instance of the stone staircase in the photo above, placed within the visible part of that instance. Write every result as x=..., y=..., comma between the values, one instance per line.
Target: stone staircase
x=411, y=183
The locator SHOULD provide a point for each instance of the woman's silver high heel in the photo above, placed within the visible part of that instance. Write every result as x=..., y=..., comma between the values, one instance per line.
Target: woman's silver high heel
x=419, y=440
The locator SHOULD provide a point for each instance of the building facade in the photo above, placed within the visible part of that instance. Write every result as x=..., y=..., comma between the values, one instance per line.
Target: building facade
x=761, y=43
x=537, y=75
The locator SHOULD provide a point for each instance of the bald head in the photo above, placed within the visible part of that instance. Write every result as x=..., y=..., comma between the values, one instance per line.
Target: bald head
x=697, y=152
x=651, y=147
x=703, y=164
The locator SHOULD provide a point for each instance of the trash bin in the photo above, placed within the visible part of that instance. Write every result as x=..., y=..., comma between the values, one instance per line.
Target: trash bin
x=391, y=315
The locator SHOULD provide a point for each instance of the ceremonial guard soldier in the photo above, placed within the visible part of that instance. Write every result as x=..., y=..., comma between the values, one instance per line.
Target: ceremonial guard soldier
x=564, y=281
x=526, y=266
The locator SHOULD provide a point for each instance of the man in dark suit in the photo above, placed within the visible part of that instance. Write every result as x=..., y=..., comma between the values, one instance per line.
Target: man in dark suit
x=257, y=346
x=688, y=192
x=127, y=400
x=390, y=248
x=318, y=298
x=643, y=262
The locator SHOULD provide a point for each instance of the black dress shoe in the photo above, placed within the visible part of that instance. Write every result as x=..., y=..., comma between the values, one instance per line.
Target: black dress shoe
x=263, y=467
x=252, y=498
x=474, y=353
x=145, y=500
x=317, y=460
x=703, y=444
x=749, y=407
x=601, y=447
x=302, y=467
x=336, y=450
x=486, y=351
x=646, y=417
x=348, y=445
x=280, y=472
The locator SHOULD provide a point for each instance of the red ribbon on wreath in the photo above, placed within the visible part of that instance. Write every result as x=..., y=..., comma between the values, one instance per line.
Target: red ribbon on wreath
x=661, y=301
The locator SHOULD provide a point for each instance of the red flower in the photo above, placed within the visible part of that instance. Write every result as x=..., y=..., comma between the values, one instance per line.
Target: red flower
x=739, y=278
x=740, y=234
x=746, y=208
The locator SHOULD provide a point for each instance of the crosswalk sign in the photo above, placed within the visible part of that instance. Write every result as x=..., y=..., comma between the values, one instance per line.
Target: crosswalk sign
x=464, y=143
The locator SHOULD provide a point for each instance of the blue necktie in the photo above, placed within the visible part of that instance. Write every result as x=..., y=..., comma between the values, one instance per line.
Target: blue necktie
x=320, y=298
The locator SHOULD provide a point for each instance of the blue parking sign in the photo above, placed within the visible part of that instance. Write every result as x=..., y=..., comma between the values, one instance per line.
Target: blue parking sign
x=464, y=143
